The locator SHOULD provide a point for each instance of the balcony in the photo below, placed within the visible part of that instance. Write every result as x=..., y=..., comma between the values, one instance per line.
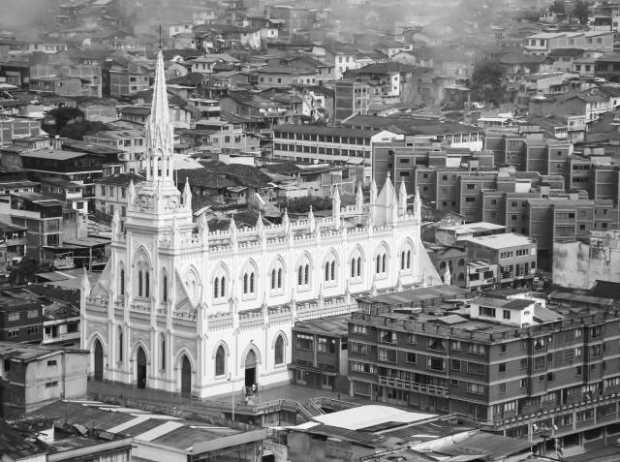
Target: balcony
x=428, y=389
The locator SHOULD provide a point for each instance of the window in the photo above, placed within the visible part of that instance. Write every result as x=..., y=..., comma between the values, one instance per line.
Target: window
x=51, y=384
x=506, y=314
x=164, y=288
x=220, y=361
x=359, y=329
x=51, y=363
x=122, y=282
x=502, y=367
x=486, y=311
x=33, y=314
x=330, y=271
x=410, y=358
x=14, y=316
x=162, y=351
x=248, y=283
x=120, y=344
x=304, y=342
x=279, y=350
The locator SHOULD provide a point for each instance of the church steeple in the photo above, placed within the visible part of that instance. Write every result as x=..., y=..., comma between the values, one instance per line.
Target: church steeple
x=159, y=130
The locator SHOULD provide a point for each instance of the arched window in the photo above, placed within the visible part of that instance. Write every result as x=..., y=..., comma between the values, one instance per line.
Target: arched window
x=279, y=278
x=383, y=263
x=326, y=271
x=408, y=259
x=162, y=351
x=220, y=361
x=223, y=287
x=147, y=284
x=353, y=267
x=140, y=283
x=307, y=274
x=300, y=276
x=359, y=266
x=273, y=279
x=279, y=350
x=120, y=344
x=378, y=264
x=333, y=272
x=216, y=287
x=122, y=282
x=164, y=288
x=245, y=283
x=252, y=283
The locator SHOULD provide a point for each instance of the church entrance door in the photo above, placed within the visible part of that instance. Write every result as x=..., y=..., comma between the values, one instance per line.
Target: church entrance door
x=98, y=354
x=250, y=369
x=186, y=376
x=141, y=368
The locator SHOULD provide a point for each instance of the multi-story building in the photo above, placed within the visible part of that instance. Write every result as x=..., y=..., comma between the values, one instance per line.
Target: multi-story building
x=512, y=365
x=545, y=42
x=42, y=216
x=351, y=98
x=311, y=144
x=514, y=255
x=33, y=376
x=20, y=320
x=12, y=129
x=319, y=356
x=165, y=270
x=128, y=80
x=111, y=193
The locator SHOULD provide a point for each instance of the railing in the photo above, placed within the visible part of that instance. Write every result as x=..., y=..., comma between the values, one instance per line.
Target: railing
x=531, y=412
x=413, y=386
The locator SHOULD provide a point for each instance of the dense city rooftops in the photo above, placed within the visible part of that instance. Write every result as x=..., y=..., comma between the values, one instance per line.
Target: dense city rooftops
x=336, y=326
x=501, y=241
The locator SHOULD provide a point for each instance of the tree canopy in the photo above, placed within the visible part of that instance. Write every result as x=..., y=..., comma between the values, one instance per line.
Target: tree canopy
x=558, y=7
x=581, y=11
x=56, y=119
x=487, y=82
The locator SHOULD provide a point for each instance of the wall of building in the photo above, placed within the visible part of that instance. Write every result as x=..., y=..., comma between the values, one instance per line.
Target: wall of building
x=579, y=265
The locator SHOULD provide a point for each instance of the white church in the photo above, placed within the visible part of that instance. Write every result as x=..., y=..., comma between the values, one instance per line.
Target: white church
x=183, y=309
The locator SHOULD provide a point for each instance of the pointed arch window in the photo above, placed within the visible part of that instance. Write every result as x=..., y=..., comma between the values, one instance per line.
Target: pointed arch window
x=381, y=262
x=330, y=270
x=273, y=278
x=279, y=350
x=164, y=288
x=122, y=282
x=405, y=259
x=216, y=287
x=162, y=351
x=220, y=361
x=120, y=344
x=223, y=287
x=248, y=283
x=300, y=276
x=140, y=283
x=279, y=278
x=359, y=266
x=353, y=267
x=147, y=284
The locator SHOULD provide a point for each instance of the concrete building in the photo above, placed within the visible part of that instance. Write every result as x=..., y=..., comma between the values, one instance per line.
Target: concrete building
x=220, y=301
x=33, y=376
x=514, y=366
x=579, y=264
x=320, y=358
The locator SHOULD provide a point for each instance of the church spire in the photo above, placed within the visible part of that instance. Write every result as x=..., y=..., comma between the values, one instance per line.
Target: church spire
x=159, y=130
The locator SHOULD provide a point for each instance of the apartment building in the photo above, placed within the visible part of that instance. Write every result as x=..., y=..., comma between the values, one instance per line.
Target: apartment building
x=33, y=376
x=511, y=365
x=111, y=193
x=351, y=98
x=545, y=42
x=514, y=255
x=320, y=357
x=312, y=144
x=126, y=80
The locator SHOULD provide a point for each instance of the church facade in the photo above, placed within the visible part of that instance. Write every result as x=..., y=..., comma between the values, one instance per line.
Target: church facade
x=183, y=309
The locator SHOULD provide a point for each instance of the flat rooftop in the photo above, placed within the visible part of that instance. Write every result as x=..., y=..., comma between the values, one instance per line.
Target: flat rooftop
x=335, y=326
x=363, y=417
x=501, y=241
x=417, y=296
x=28, y=353
x=478, y=227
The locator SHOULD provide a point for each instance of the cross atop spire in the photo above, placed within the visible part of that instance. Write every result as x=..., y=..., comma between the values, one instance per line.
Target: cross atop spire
x=159, y=130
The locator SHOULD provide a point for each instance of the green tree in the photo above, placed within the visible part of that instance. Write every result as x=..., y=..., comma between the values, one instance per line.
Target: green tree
x=77, y=129
x=581, y=11
x=487, y=82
